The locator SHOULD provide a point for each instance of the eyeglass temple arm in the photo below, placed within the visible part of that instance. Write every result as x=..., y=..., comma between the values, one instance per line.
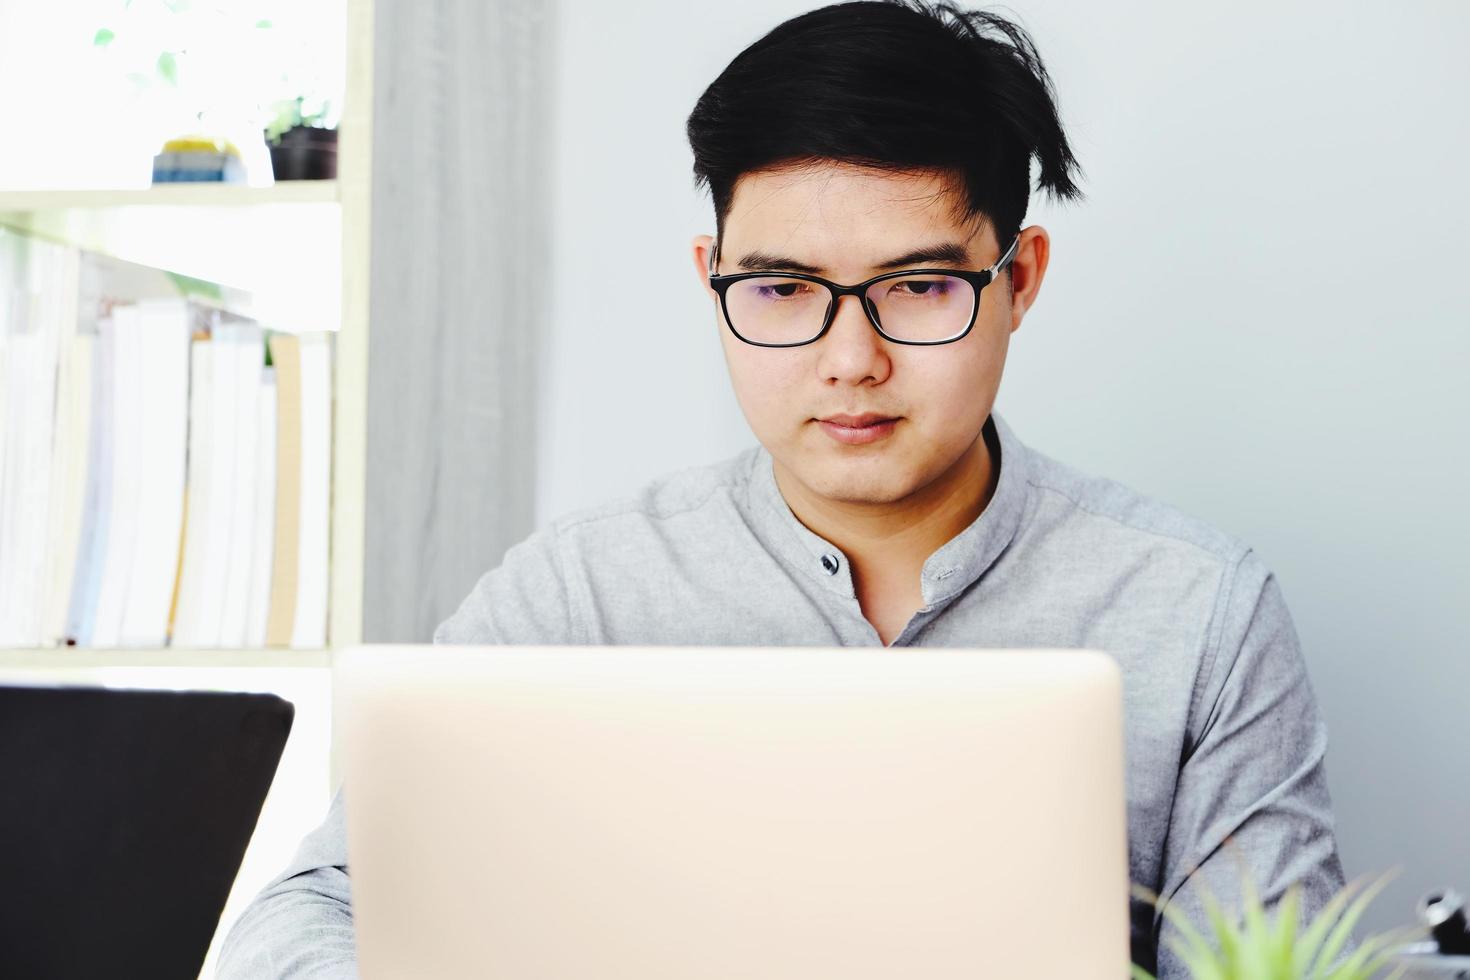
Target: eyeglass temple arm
x=1005, y=259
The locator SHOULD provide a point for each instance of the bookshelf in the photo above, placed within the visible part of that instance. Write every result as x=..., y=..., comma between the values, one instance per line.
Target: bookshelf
x=212, y=232
x=319, y=232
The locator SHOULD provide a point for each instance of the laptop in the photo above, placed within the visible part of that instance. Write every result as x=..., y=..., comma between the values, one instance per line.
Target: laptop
x=669, y=813
x=126, y=816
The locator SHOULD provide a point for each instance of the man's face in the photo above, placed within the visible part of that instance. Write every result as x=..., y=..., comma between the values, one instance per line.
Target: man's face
x=846, y=222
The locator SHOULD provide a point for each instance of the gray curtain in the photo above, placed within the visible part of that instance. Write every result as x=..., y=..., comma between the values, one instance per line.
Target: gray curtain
x=459, y=226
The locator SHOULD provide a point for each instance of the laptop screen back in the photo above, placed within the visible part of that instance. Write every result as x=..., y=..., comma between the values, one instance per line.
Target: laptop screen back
x=666, y=813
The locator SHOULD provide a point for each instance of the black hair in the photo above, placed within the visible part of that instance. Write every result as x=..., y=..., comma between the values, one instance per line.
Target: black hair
x=901, y=86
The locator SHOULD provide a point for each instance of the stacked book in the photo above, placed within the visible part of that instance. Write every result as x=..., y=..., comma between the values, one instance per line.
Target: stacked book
x=164, y=468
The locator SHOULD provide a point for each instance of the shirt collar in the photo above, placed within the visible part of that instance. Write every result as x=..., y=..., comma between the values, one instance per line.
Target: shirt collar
x=957, y=564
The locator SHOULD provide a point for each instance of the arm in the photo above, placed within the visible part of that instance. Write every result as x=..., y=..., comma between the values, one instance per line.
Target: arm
x=1252, y=792
x=300, y=926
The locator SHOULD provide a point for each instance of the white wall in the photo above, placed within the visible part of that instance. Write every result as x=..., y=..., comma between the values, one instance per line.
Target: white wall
x=1261, y=315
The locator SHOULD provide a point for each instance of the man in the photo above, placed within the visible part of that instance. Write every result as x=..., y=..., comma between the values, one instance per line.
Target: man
x=869, y=165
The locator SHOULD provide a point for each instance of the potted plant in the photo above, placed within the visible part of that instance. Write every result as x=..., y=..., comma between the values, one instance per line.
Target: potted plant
x=229, y=72
x=302, y=145
x=1262, y=949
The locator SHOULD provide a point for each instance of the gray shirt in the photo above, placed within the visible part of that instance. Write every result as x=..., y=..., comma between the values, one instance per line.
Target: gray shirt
x=1223, y=738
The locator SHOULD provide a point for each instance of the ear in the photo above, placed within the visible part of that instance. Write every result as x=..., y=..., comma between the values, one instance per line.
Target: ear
x=1027, y=270
x=702, y=246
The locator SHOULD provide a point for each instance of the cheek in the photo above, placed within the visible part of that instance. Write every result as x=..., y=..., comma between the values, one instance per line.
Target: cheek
x=951, y=392
x=767, y=382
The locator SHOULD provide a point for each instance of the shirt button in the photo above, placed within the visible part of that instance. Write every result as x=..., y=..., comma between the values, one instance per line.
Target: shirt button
x=829, y=562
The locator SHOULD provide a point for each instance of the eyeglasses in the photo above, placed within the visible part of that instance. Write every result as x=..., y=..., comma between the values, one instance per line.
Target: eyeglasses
x=922, y=307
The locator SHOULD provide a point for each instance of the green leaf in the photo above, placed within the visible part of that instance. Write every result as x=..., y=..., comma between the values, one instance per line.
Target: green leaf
x=189, y=286
x=168, y=68
x=1226, y=934
x=1344, y=928
x=1376, y=953
x=1283, y=940
x=1306, y=947
x=103, y=37
x=1194, y=948
x=1279, y=949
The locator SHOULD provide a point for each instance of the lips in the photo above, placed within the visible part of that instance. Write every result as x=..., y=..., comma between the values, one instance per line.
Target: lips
x=857, y=421
x=858, y=430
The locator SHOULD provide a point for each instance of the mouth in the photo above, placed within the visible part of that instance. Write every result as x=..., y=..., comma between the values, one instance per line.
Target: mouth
x=857, y=430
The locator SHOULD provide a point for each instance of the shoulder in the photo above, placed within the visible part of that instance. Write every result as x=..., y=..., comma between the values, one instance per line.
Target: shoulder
x=1094, y=509
x=1137, y=545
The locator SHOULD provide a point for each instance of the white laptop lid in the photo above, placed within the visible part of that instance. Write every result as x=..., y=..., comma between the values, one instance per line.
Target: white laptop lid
x=551, y=813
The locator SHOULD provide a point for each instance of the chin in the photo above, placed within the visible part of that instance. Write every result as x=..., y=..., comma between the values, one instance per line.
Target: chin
x=856, y=484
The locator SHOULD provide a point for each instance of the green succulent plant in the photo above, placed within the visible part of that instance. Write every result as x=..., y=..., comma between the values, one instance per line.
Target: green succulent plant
x=290, y=113
x=1271, y=948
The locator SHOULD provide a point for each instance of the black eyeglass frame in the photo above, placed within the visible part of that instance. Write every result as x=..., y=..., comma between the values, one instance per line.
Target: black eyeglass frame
x=978, y=280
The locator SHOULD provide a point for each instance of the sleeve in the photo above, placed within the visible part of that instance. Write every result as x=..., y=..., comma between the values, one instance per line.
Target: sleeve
x=300, y=926
x=1252, y=792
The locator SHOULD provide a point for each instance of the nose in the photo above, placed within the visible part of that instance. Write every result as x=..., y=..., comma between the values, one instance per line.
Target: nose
x=852, y=353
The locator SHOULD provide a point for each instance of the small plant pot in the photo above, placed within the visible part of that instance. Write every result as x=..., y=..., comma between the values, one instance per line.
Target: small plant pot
x=305, y=153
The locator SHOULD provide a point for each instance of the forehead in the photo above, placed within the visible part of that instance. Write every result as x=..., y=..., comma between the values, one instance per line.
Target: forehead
x=835, y=215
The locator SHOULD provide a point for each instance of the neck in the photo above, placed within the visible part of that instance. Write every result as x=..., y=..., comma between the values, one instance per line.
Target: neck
x=900, y=535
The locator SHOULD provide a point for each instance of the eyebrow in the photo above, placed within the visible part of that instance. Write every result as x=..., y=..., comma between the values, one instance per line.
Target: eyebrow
x=950, y=253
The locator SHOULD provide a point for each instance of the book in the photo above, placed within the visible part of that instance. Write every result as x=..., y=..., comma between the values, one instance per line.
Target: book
x=263, y=535
x=124, y=488
x=35, y=311
x=286, y=548
x=74, y=385
x=314, y=539
x=163, y=328
x=96, y=506
x=246, y=361
x=161, y=481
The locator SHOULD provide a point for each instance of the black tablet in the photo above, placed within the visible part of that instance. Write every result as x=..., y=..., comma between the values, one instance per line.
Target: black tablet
x=124, y=815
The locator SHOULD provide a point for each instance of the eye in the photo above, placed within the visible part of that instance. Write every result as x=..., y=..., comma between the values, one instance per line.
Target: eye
x=780, y=290
x=936, y=288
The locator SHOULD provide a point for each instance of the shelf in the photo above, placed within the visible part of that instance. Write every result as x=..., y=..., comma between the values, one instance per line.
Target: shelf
x=171, y=195
x=64, y=658
x=281, y=245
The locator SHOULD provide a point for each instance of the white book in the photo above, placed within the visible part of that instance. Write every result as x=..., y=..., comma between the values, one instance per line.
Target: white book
x=163, y=328
x=73, y=405
x=309, y=629
x=127, y=467
x=11, y=292
x=4, y=401
x=17, y=392
x=186, y=629
x=25, y=502
x=92, y=542
x=224, y=425
x=21, y=393
x=262, y=549
x=69, y=477
x=247, y=362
